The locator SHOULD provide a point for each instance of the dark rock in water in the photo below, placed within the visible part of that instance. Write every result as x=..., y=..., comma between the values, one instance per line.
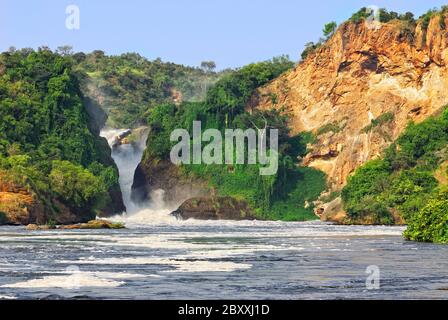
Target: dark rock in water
x=93, y=224
x=215, y=208
x=121, y=137
x=154, y=174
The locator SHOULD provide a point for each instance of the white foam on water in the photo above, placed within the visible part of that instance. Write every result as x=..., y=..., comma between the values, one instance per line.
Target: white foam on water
x=179, y=262
x=73, y=281
x=208, y=266
x=77, y=279
x=152, y=213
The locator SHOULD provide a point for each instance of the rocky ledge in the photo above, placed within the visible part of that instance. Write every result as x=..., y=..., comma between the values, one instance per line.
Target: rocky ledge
x=94, y=224
x=214, y=208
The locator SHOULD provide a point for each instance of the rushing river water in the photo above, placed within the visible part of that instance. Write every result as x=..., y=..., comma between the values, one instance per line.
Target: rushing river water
x=159, y=257
x=169, y=259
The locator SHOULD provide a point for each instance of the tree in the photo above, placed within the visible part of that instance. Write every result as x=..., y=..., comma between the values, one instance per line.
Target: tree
x=310, y=47
x=208, y=66
x=76, y=186
x=65, y=50
x=329, y=29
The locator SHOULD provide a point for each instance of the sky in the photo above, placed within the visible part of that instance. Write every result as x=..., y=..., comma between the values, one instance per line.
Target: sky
x=232, y=33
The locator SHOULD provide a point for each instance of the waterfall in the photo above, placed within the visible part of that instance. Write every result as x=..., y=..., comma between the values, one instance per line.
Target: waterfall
x=127, y=157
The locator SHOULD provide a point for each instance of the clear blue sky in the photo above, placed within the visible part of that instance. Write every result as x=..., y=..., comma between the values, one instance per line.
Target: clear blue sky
x=230, y=32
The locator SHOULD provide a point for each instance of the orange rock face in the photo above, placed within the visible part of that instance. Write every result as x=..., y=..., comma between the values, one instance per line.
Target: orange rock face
x=18, y=205
x=359, y=75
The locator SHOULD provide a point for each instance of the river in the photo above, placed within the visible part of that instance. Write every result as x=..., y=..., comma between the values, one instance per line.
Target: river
x=159, y=257
x=219, y=260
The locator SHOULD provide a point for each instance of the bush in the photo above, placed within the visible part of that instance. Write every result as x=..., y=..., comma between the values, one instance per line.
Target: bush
x=330, y=127
x=77, y=186
x=310, y=48
x=381, y=120
x=403, y=180
x=430, y=224
x=384, y=15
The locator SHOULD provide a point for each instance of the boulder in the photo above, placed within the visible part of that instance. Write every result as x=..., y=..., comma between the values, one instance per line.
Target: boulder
x=215, y=208
x=93, y=224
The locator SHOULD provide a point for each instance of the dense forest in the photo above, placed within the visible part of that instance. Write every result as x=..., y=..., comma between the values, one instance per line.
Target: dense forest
x=128, y=85
x=47, y=142
x=282, y=196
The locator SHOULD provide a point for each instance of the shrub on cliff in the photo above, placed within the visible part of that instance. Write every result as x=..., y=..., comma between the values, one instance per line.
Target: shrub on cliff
x=310, y=48
x=384, y=15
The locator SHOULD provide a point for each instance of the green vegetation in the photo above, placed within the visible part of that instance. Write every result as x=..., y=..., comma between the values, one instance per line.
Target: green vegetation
x=46, y=143
x=310, y=48
x=329, y=29
x=384, y=15
x=381, y=120
x=402, y=183
x=77, y=186
x=129, y=85
x=430, y=224
x=425, y=19
x=329, y=127
x=281, y=196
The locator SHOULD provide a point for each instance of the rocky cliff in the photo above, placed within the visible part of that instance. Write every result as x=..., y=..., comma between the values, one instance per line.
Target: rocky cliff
x=155, y=174
x=20, y=204
x=360, y=89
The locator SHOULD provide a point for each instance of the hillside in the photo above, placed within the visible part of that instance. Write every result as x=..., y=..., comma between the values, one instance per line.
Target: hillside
x=54, y=167
x=358, y=91
x=237, y=189
x=128, y=85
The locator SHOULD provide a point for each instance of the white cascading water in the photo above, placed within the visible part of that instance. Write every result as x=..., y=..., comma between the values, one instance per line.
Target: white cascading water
x=127, y=157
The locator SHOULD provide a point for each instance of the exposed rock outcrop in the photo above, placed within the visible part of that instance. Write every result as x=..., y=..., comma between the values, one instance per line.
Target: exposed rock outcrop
x=357, y=76
x=214, y=208
x=18, y=204
x=154, y=174
x=93, y=224
x=362, y=74
x=21, y=205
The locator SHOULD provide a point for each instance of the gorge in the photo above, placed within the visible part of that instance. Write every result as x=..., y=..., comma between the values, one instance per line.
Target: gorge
x=361, y=179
